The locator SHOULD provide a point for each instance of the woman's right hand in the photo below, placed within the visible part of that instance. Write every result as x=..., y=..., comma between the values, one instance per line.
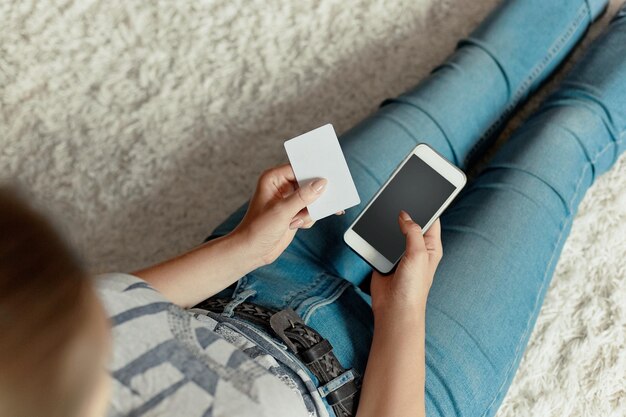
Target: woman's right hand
x=397, y=355
x=407, y=288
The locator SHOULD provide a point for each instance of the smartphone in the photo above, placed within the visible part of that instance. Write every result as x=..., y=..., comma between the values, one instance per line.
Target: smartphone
x=423, y=185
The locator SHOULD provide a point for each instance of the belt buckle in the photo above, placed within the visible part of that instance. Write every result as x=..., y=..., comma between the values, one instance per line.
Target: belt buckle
x=283, y=320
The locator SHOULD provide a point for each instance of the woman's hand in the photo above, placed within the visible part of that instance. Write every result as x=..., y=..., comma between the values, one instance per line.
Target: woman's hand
x=397, y=355
x=276, y=211
x=408, y=286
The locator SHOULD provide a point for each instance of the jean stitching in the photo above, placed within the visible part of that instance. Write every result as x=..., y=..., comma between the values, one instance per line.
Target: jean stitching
x=554, y=49
x=518, y=350
x=308, y=312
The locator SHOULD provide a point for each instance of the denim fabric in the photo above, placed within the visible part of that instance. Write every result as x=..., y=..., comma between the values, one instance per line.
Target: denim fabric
x=503, y=235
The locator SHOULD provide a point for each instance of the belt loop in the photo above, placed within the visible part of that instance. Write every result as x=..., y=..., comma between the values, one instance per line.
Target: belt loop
x=337, y=382
x=238, y=299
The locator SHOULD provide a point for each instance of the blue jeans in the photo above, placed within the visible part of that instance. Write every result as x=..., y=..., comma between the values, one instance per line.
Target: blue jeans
x=503, y=235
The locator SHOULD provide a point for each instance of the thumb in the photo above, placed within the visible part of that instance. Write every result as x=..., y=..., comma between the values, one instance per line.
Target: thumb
x=302, y=197
x=414, y=240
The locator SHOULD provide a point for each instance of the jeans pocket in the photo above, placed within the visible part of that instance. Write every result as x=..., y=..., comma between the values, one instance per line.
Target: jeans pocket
x=292, y=283
x=328, y=289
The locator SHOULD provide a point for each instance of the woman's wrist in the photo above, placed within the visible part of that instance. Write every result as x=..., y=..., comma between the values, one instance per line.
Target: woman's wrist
x=400, y=311
x=244, y=246
x=203, y=271
x=397, y=357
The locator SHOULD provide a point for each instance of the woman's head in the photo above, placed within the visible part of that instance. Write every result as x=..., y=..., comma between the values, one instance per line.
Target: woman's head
x=54, y=334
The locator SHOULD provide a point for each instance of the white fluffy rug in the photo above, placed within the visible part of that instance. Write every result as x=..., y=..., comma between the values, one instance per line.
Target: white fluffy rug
x=141, y=125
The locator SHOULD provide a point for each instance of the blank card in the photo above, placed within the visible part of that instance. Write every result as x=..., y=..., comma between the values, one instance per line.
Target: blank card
x=318, y=154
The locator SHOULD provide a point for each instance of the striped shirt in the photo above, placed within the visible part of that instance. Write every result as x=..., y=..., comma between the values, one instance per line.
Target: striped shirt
x=168, y=361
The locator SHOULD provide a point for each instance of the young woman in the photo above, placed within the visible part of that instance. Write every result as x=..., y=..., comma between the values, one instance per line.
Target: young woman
x=438, y=337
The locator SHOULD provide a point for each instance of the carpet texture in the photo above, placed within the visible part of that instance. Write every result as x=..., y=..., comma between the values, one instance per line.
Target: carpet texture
x=141, y=125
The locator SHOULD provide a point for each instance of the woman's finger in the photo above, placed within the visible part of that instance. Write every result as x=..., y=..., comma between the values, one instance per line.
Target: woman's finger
x=307, y=225
x=302, y=222
x=286, y=189
x=414, y=240
x=432, y=240
x=276, y=182
x=304, y=215
x=284, y=171
x=301, y=197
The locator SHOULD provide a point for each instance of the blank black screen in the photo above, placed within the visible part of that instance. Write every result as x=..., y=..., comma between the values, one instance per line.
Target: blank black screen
x=417, y=189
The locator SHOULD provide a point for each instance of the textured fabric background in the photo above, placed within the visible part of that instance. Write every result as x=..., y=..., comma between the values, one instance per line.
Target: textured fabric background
x=141, y=125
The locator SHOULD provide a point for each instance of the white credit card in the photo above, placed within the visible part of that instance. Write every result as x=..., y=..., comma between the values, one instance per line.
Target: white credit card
x=318, y=154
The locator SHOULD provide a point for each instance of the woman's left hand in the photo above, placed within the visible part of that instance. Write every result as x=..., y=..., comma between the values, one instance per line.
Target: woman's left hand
x=260, y=237
x=276, y=211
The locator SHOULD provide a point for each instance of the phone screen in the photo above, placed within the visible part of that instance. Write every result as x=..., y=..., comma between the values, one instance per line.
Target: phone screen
x=417, y=189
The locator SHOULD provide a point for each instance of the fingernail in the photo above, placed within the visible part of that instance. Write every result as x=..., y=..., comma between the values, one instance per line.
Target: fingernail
x=319, y=184
x=404, y=215
x=295, y=223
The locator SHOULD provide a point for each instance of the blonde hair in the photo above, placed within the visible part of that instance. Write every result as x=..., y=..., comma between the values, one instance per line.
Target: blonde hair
x=45, y=301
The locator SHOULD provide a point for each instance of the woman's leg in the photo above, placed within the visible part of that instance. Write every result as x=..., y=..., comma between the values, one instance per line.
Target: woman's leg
x=492, y=70
x=504, y=235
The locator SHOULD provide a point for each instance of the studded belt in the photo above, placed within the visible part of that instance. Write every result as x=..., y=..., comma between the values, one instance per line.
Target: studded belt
x=339, y=386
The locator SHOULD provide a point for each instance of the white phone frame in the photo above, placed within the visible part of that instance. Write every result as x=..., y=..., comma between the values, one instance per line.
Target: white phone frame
x=443, y=167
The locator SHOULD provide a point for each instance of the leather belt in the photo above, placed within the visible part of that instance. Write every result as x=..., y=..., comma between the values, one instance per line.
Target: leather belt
x=339, y=386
